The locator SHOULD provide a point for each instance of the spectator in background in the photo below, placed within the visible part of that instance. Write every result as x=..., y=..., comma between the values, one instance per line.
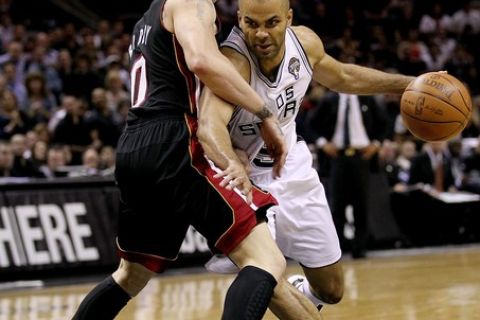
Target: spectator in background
x=22, y=167
x=16, y=56
x=462, y=65
x=17, y=87
x=6, y=159
x=472, y=129
x=90, y=164
x=227, y=11
x=67, y=104
x=115, y=91
x=455, y=147
x=387, y=155
x=471, y=179
x=435, y=20
x=408, y=150
x=102, y=121
x=107, y=161
x=50, y=56
x=103, y=34
x=84, y=79
x=433, y=167
x=41, y=131
x=73, y=130
x=12, y=119
x=41, y=102
x=6, y=30
x=37, y=65
x=56, y=160
x=466, y=17
x=39, y=153
x=349, y=131
x=64, y=68
x=410, y=52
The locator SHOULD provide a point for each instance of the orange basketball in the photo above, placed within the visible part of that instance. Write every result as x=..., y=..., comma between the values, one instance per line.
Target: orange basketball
x=436, y=106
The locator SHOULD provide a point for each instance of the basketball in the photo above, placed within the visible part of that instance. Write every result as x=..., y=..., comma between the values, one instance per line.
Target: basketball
x=436, y=106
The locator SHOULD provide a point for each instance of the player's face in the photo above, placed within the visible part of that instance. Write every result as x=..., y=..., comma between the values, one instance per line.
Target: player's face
x=264, y=24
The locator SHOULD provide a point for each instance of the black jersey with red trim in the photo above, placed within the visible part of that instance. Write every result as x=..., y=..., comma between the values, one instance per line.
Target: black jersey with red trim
x=160, y=78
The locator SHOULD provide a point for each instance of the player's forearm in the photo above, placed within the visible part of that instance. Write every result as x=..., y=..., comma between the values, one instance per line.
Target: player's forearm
x=216, y=144
x=366, y=81
x=222, y=78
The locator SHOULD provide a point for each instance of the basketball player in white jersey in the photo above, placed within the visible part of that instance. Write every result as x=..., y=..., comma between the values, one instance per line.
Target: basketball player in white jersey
x=279, y=61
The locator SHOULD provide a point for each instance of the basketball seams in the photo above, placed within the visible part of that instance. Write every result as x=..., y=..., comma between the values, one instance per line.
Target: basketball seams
x=439, y=98
x=459, y=91
x=428, y=121
x=442, y=138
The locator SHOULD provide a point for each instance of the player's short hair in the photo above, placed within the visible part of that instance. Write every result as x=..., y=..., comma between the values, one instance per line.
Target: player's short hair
x=284, y=3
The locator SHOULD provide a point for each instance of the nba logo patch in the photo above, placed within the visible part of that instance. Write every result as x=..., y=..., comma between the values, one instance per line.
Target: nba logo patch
x=294, y=67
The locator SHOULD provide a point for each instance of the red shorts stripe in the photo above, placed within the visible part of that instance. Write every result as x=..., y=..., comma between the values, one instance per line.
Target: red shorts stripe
x=244, y=215
x=151, y=262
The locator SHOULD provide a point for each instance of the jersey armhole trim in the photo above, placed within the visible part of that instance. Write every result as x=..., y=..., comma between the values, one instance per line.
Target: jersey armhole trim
x=300, y=48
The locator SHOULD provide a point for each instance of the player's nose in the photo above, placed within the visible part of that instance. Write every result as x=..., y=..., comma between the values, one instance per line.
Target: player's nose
x=261, y=33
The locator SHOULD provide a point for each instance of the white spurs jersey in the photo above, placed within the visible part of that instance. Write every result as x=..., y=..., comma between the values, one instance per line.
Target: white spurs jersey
x=283, y=96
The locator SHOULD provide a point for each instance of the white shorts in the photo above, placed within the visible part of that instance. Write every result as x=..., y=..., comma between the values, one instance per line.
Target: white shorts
x=302, y=223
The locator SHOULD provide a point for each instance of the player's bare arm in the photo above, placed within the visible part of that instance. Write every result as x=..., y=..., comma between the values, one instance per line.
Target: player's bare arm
x=345, y=77
x=213, y=134
x=193, y=22
x=269, y=122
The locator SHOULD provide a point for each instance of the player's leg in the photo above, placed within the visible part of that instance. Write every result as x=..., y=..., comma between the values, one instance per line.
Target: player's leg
x=288, y=303
x=110, y=296
x=261, y=266
x=259, y=250
x=323, y=285
x=151, y=224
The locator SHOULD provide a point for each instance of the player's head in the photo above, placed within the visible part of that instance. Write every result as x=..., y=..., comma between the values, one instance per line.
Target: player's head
x=264, y=23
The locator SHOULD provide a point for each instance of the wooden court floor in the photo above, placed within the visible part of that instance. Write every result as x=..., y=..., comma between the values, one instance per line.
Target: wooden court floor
x=427, y=284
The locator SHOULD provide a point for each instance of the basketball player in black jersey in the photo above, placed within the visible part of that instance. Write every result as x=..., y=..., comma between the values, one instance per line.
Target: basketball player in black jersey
x=165, y=181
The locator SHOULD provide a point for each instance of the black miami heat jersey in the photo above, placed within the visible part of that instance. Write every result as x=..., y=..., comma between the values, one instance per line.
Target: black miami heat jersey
x=160, y=78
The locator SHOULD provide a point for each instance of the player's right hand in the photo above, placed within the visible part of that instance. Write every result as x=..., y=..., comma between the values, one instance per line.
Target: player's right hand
x=235, y=176
x=274, y=141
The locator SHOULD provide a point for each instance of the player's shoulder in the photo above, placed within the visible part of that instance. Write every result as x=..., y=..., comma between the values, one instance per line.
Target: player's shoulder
x=310, y=41
x=239, y=60
x=305, y=34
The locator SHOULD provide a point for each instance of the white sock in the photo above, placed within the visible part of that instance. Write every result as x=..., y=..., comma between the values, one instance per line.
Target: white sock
x=309, y=294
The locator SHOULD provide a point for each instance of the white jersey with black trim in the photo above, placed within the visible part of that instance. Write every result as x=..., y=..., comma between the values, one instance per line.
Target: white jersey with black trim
x=284, y=97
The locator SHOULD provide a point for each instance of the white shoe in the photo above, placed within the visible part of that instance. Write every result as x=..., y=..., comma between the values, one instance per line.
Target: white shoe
x=297, y=281
x=221, y=264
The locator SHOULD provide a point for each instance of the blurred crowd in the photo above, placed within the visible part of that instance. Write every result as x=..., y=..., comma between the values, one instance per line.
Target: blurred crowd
x=64, y=87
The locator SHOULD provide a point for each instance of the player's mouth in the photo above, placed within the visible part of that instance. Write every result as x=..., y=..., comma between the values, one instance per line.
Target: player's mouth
x=263, y=47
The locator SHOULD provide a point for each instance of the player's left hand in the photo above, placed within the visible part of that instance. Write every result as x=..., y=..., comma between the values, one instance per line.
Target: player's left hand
x=235, y=176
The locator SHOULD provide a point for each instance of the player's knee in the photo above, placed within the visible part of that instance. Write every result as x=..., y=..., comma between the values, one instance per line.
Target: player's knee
x=330, y=292
x=132, y=277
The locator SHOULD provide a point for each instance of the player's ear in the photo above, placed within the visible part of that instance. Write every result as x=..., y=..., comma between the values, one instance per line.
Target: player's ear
x=239, y=17
x=289, y=17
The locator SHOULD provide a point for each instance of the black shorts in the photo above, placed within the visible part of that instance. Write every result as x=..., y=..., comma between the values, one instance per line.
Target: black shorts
x=166, y=185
